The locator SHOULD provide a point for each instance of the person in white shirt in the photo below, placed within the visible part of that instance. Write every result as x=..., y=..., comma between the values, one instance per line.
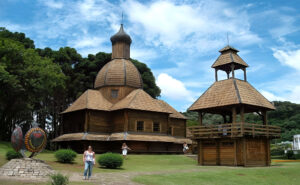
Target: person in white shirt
x=125, y=149
x=89, y=161
x=185, y=147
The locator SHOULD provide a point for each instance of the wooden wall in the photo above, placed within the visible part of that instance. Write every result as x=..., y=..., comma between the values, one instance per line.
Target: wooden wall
x=118, y=121
x=235, y=152
x=123, y=91
x=120, y=50
x=148, y=118
x=256, y=152
x=73, y=122
x=99, y=121
x=179, y=127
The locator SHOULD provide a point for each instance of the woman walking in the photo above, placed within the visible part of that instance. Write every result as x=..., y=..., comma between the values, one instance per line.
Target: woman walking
x=89, y=161
x=125, y=149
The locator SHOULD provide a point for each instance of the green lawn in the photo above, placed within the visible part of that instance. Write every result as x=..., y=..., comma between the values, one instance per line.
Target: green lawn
x=283, y=173
x=133, y=163
x=178, y=169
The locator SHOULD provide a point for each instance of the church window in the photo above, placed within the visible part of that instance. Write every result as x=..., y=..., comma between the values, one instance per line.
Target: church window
x=114, y=93
x=140, y=126
x=156, y=127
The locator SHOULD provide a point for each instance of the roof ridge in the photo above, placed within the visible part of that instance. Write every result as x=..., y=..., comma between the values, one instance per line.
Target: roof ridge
x=109, y=64
x=237, y=91
x=231, y=58
x=134, y=97
x=259, y=93
x=87, y=99
x=124, y=63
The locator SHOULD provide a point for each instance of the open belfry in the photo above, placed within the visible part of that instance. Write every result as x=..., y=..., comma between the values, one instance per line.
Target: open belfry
x=233, y=142
x=117, y=110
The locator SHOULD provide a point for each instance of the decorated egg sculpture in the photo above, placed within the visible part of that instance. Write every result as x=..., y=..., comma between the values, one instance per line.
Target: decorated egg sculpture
x=17, y=139
x=34, y=141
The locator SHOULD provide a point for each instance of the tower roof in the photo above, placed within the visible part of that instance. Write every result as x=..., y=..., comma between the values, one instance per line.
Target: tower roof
x=228, y=56
x=230, y=92
x=119, y=72
x=121, y=36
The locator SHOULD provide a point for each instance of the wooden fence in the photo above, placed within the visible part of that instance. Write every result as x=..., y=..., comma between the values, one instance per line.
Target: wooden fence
x=234, y=130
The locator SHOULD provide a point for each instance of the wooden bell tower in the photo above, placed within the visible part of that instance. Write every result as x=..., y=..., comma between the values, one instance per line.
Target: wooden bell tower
x=233, y=142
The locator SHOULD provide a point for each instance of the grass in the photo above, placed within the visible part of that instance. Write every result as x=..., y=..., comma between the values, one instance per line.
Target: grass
x=176, y=169
x=279, y=173
x=133, y=163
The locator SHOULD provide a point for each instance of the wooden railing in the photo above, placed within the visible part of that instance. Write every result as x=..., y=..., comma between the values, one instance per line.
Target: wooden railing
x=234, y=130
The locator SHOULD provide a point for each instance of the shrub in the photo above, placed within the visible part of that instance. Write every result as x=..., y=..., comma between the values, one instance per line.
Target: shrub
x=277, y=152
x=59, y=179
x=110, y=160
x=290, y=154
x=297, y=156
x=65, y=155
x=12, y=154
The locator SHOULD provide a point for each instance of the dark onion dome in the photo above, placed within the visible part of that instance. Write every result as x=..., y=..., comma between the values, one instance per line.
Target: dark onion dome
x=121, y=36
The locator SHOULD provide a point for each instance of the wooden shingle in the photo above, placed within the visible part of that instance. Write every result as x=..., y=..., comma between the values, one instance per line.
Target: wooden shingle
x=230, y=92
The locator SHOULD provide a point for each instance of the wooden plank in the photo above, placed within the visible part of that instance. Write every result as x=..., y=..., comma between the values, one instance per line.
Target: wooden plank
x=235, y=153
x=86, y=122
x=218, y=153
x=244, y=151
x=200, y=152
x=126, y=122
x=268, y=153
x=200, y=118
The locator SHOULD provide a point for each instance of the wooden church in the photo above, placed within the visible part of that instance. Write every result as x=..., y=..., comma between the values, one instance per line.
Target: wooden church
x=118, y=110
x=233, y=142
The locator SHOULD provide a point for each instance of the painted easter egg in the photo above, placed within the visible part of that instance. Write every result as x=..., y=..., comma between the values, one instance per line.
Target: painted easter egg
x=35, y=140
x=17, y=139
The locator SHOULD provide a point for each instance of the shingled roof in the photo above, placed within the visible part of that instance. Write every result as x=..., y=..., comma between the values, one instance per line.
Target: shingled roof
x=229, y=55
x=90, y=99
x=136, y=100
x=139, y=100
x=168, y=107
x=230, y=92
x=119, y=72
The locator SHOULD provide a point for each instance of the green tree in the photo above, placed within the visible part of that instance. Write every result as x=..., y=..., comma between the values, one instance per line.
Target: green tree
x=20, y=37
x=26, y=80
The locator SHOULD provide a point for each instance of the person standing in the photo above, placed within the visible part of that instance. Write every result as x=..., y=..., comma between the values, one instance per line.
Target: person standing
x=89, y=161
x=185, y=147
x=125, y=149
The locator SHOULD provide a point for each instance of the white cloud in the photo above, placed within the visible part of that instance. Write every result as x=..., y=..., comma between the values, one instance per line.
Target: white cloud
x=173, y=89
x=270, y=96
x=295, y=94
x=286, y=25
x=288, y=58
x=143, y=54
x=199, y=26
x=87, y=42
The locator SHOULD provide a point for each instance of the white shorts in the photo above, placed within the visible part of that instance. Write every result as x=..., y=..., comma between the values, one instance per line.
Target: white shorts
x=124, y=152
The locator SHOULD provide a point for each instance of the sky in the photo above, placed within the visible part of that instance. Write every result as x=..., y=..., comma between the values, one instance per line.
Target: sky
x=178, y=40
